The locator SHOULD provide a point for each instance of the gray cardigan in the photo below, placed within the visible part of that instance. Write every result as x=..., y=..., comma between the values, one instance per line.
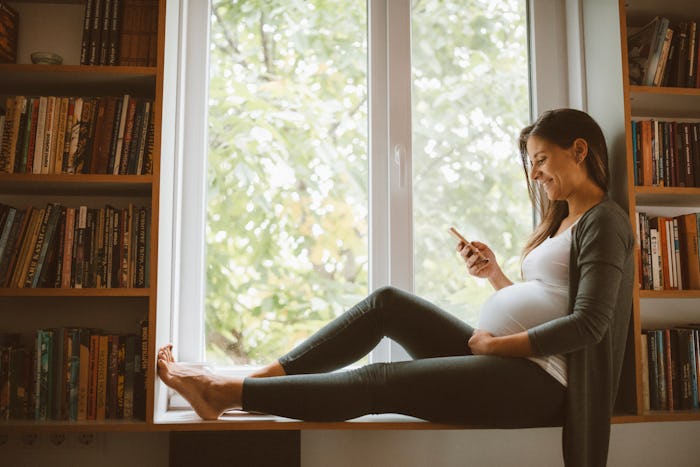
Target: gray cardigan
x=594, y=334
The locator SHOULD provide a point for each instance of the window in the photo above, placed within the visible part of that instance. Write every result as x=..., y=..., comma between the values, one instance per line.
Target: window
x=342, y=139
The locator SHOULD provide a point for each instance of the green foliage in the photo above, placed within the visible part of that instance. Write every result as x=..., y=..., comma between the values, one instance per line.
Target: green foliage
x=287, y=164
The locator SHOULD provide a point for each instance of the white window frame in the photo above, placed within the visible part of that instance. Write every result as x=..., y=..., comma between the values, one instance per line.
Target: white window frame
x=555, y=34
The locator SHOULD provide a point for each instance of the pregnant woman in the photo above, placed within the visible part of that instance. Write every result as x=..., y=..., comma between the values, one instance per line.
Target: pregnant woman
x=547, y=350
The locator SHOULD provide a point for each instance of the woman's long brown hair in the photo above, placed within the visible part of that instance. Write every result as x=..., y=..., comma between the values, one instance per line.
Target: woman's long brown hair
x=562, y=127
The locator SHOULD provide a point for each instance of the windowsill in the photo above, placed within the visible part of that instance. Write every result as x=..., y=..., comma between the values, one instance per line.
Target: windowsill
x=188, y=420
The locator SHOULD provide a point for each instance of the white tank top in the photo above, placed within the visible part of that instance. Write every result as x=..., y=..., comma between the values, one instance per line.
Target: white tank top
x=541, y=297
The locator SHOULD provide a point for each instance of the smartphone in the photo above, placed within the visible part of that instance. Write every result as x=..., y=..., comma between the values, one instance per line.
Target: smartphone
x=455, y=233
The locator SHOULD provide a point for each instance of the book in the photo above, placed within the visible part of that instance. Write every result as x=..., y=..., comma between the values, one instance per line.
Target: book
x=14, y=240
x=7, y=139
x=102, y=373
x=689, y=238
x=105, y=25
x=95, y=32
x=663, y=59
x=120, y=134
x=644, y=48
x=115, y=26
x=692, y=66
x=75, y=134
x=27, y=162
x=44, y=344
x=91, y=405
x=53, y=215
x=58, y=154
x=87, y=28
x=83, y=374
x=9, y=27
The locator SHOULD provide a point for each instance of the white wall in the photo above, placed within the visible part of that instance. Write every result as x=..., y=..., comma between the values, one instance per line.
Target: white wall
x=632, y=445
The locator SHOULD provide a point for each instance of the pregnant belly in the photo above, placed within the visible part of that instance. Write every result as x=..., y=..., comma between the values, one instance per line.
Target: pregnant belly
x=521, y=306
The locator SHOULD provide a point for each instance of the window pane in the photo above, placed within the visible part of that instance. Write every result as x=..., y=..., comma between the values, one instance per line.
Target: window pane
x=470, y=100
x=287, y=173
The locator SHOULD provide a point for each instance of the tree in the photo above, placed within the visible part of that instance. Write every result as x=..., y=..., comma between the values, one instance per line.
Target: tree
x=287, y=163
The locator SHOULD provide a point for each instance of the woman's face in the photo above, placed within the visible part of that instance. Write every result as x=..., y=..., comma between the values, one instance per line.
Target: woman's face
x=560, y=171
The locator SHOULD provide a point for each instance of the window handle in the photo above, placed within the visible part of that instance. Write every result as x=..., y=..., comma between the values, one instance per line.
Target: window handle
x=400, y=160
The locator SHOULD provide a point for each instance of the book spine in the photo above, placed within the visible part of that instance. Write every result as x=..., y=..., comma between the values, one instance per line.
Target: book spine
x=6, y=141
x=75, y=135
x=27, y=164
x=128, y=135
x=84, y=374
x=21, y=128
x=129, y=373
x=40, y=134
x=114, y=32
x=95, y=32
x=87, y=28
x=5, y=232
x=53, y=214
x=102, y=369
x=68, y=248
x=120, y=138
x=111, y=404
x=14, y=241
x=57, y=166
x=104, y=32
x=92, y=377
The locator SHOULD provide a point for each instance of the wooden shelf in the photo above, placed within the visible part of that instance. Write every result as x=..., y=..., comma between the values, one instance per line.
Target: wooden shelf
x=34, y=184
x=92, y=292
x=662, y=196
x=79, y=80
x=67, y=426
x=676, y=103
x=669, y=294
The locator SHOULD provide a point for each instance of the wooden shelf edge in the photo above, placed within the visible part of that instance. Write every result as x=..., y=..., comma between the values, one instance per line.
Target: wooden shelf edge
x=267, y=423
x=57, y=425
x=91, y=69
x=89, y=292
x=669, y=294
x=76, y=178
x=664, y=90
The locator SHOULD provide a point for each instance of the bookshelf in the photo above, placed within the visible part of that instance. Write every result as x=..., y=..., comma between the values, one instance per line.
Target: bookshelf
x=57, y=26
x=664, y=308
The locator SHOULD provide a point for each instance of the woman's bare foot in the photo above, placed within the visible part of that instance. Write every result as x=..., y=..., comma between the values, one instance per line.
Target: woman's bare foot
x=209, y=395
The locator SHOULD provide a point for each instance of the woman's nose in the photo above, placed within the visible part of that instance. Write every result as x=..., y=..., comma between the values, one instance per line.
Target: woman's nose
x=534, y=173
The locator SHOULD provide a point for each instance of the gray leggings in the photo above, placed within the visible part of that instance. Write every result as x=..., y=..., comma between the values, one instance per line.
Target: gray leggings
x=444, y=383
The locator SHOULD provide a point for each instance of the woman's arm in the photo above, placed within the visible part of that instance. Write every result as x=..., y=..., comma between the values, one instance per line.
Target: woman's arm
x=604, y=263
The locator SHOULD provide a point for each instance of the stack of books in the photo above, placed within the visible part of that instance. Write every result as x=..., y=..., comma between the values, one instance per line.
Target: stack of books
x=82, y=135
x=120, y=32
x=73, y=374
x=664, y=54
x=670, y=359
x=66, y=247
x=668, y=258
x=666, y=153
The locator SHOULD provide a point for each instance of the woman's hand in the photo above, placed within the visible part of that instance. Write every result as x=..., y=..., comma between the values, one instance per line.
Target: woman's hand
x=481, y=342
x=481, y=262
x=513, y=345
x=478, y=257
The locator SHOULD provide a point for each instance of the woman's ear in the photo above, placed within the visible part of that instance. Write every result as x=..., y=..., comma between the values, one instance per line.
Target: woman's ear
x=580, y=147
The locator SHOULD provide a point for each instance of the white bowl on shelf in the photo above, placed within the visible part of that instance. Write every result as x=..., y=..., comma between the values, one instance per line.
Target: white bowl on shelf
x=46, y=58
